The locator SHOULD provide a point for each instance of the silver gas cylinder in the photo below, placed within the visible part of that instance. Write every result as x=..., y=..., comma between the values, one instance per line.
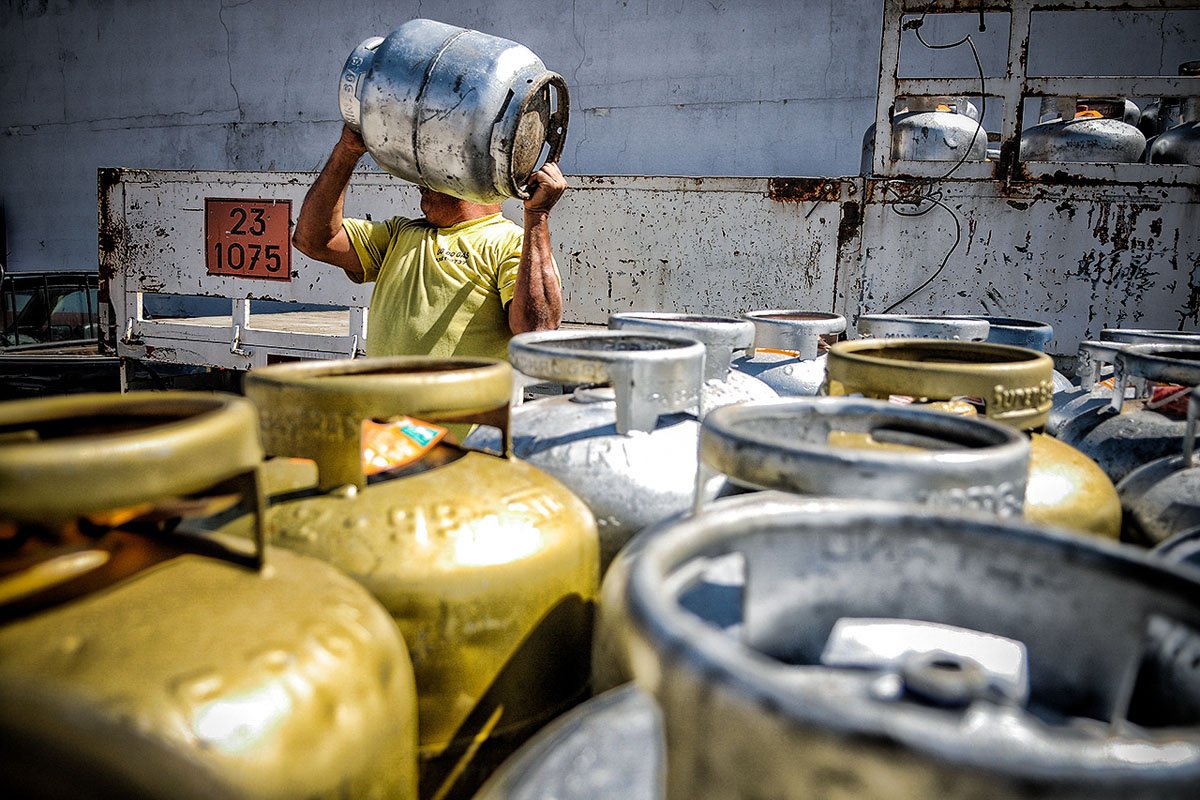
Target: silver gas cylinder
x=889, y=651
x=1180, y=144
x=1182, y=548
x=624, y=440
x=1162, y=498
x=456, y=110
x=609, y=748
x=827, y=447
x=1090, y=392
x=1123, y=435
x=923, y=326
x=932, y=129
x=1027, y=333
x=787, y=349
x=722, y=337
x=1084, y=131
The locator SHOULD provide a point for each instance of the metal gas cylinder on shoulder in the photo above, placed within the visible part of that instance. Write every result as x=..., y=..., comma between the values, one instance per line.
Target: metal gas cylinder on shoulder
x=1180, y=144
x=787, y=352
x=1090, y=129
x=624, y=439
x=142, y=658
x=923, y=326
x=1011, y=385
x=1128, y=432
x=487, y=564
x=826, y=447
x=1162, y=497
x=722, y=337
x=453, y=109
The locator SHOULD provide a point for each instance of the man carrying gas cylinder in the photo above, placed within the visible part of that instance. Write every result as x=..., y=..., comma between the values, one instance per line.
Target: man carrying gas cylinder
x=458, y=282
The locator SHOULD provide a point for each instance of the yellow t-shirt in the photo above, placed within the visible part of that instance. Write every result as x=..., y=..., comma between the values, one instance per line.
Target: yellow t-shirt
x=438, y=291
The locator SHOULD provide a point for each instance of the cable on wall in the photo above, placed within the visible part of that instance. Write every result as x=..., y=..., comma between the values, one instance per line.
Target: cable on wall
x=930, y=195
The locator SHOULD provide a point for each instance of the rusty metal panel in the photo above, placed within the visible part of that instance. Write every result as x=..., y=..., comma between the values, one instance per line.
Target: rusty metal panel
x=152, y=241
x=1079, y=257
x=698, y=245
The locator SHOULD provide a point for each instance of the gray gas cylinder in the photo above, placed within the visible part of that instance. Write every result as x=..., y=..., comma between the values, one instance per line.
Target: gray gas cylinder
x=453, y=109
x=1162, y=498
x=827, y=447
x=624, y=440
x=609, y=748
x=723, y=338
x=1089, y=394
x=932, y=129
x=923, y=326
x=956, y=675
x=1027, y=333
x=1180, y=144
x=1121, y=438
x=1084, y=139
x=1182, y=548
x=787, y=349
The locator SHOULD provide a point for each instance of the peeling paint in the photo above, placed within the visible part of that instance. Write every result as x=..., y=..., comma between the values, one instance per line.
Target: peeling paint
x=804, y=189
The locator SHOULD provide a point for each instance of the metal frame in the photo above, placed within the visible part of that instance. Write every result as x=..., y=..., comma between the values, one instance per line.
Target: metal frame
x=1013, y=88
x=134, y=263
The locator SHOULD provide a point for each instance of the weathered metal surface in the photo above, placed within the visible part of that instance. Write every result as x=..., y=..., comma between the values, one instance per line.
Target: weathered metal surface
x=765, y=716
x=695, y=245
x=1082, y=257
x=152, y=242
x=629, y=450
x=136, y=661
x=460, y=111
x=493, y=586
x=609, y=748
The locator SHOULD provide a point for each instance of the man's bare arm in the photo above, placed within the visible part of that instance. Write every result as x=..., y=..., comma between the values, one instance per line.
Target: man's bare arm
x=537, y=295
x=319, y=233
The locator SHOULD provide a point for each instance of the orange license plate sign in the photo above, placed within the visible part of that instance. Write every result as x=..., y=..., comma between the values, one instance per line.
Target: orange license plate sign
x=248, y=238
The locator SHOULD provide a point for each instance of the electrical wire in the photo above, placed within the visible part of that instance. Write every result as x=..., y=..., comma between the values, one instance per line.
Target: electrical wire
x=935, y=203
x=928, y=188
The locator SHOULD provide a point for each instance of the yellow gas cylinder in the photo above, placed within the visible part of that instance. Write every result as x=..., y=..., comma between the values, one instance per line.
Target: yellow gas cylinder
x=488, y=565
x=140, y=659
x=1009, y=384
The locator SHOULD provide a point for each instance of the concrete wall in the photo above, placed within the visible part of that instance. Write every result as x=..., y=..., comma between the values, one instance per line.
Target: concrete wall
x=659, y=87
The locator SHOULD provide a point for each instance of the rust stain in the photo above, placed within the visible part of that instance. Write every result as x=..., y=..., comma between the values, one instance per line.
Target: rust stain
x=112, y=233
x=797, y=190
x=848, y=226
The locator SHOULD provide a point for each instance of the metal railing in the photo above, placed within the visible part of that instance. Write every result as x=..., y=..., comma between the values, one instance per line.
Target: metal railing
x=1012, y=89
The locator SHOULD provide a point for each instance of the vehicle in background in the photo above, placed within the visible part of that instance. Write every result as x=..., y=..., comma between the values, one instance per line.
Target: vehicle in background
x=43, y=307
x=50, y=342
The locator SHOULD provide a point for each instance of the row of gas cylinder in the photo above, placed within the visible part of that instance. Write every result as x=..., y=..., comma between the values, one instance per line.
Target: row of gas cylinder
x=382, y=577
x=1111, y=130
